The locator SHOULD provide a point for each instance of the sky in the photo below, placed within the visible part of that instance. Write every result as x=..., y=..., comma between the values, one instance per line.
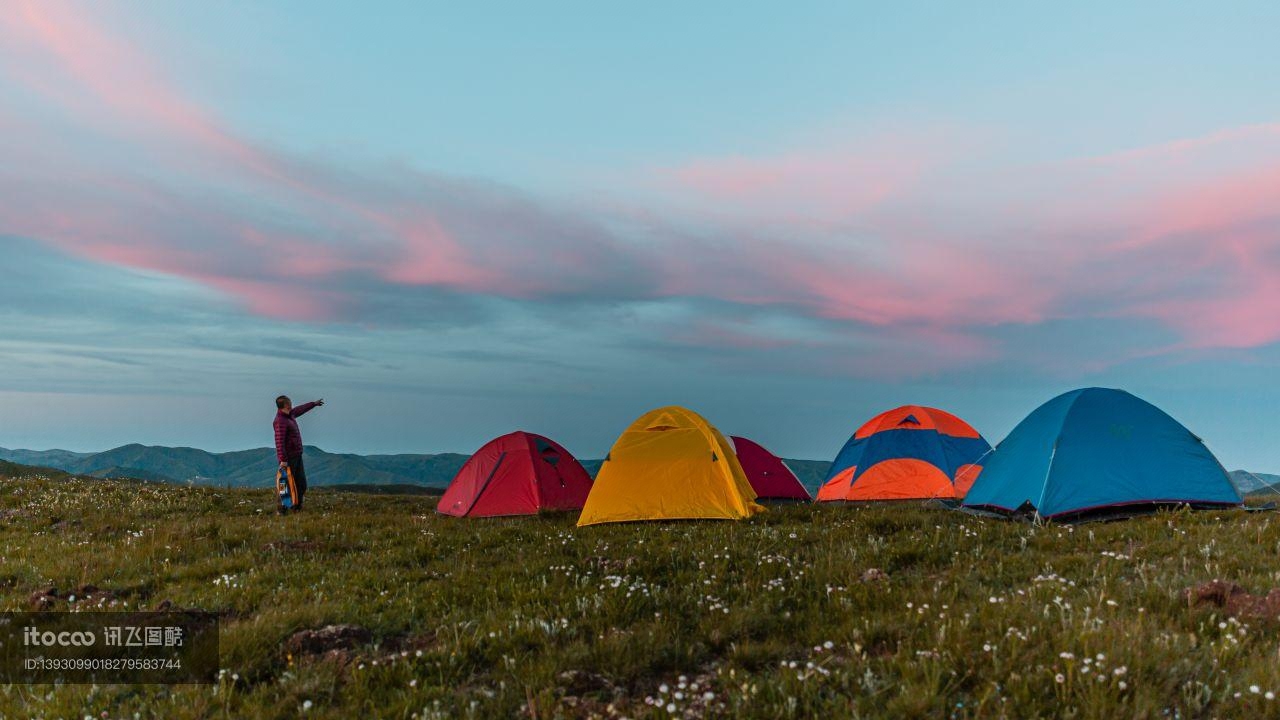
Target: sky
x=452, y=220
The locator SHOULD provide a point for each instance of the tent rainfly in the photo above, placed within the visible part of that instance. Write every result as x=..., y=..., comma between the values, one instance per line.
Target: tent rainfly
x=517, y=474
x=1096, y=450
x=670, y=464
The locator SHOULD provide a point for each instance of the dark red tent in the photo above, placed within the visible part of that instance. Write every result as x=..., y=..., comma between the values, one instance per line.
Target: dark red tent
x=517, y=474
x=769, y=476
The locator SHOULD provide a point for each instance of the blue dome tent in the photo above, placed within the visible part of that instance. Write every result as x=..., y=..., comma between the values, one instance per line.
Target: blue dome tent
x=1096, y=449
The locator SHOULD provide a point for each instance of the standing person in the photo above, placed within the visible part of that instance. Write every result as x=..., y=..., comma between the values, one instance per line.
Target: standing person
x=289, y=442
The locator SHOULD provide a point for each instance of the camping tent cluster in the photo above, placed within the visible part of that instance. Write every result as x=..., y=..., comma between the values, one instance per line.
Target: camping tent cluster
x=1084, y=452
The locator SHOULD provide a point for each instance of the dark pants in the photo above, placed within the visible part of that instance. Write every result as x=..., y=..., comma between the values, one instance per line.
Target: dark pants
x=299, y=479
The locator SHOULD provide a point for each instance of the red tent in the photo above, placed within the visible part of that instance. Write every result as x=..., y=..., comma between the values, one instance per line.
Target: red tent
x=517, y=474
x=769, y=476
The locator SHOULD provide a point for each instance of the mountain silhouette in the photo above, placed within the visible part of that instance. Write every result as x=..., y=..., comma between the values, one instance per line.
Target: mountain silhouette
x=254, y=468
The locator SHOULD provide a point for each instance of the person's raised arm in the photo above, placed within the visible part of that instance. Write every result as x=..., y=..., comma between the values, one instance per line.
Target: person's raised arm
x=305, y=408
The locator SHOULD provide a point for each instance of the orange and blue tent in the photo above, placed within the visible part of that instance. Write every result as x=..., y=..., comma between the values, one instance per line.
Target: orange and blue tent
x=519, y=473
x=1099, y=450
x=670, y=464
x=908, y=453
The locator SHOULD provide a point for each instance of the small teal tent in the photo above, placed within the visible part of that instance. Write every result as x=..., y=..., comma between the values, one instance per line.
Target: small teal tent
x=1097, y=449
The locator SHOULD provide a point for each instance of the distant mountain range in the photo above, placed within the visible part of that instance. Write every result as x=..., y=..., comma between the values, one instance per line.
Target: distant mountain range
x=1248, y=483
x=256, y=468
x=246, y=468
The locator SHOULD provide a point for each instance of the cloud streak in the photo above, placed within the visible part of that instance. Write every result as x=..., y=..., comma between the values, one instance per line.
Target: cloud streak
x=1185, y=233
x=291, y=238
x=922, y=240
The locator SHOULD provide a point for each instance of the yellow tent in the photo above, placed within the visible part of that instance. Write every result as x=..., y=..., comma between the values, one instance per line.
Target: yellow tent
x=670, y=464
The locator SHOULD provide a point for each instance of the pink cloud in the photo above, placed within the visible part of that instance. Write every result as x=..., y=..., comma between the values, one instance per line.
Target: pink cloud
x=1193, y=151
x=1216, y=207
x=834, y=183
x=885, y=232
x=431, y=256
x=119, y=77
x=1172, y=232
x=1204, y=227
x=914, y=281
x=261, y=215
x=1239, y=309
x=297, y=257
x=795, y=182
x=276, y=300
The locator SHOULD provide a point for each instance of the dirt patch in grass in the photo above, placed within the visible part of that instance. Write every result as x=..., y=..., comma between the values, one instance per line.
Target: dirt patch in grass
x=584, y=694
x=88, y=597
x=583, y=682
x=61, y=524
x=407, y=643
x=46, y=598
x=1235, y=600
x=335, y=641
x=84, y=597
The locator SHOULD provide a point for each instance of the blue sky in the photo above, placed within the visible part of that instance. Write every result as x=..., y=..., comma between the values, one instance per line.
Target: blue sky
x=455, y=220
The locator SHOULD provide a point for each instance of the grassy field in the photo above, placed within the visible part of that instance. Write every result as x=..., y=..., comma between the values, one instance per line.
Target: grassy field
x=891, y=611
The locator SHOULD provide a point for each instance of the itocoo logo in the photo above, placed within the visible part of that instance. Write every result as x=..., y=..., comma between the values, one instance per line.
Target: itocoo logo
x=31, y=635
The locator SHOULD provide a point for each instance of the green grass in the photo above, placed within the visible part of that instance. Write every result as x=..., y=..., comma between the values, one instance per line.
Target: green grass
x=536, y=618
